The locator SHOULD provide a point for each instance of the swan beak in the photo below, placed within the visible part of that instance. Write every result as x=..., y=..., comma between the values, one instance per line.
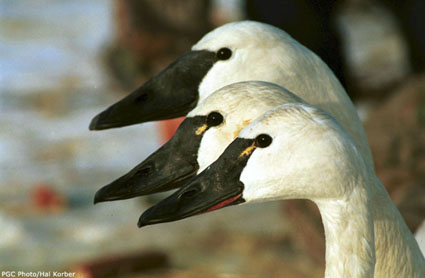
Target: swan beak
x=216, y=187
x=170, y=94
x=168, y=168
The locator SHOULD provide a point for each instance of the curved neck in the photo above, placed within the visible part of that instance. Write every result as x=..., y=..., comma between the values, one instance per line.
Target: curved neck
x=349, y=232
x=397, y=252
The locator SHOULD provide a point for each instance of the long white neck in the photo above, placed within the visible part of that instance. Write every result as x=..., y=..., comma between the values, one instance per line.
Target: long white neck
x=351, y=225
x=397, y=252
x=349, y=231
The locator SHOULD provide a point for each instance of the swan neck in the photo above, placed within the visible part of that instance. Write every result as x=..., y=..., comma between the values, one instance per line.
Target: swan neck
x=397, y=252
x=349, y=232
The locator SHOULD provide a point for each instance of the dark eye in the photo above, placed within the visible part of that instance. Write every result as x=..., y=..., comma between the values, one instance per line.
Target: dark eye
x=263, y=140
x=224, y=53
x=214, y=119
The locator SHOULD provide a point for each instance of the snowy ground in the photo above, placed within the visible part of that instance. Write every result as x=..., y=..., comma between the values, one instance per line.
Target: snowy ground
x=51, y=85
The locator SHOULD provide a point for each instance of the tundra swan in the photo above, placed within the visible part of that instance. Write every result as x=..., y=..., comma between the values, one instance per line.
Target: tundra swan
x=297, y=151
x=199, y=140
x=234, y=52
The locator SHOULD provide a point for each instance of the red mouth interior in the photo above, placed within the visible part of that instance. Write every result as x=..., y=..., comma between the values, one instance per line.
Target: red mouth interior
x=224, y=203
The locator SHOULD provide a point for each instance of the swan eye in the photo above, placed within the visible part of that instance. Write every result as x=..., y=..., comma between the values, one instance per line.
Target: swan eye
x=224, y=53
x=263, y=140
x=214, y=119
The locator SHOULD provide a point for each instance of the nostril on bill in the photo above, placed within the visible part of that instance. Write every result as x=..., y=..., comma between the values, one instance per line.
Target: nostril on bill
x=189, y=194
x=142, y=98
x=144, y=171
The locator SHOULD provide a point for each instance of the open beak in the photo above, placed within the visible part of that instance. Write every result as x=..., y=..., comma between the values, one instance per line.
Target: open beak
x=168, y=168
x=217, y=186
x=170, y=94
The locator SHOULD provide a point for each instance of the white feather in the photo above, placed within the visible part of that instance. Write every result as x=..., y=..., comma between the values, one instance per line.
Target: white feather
x=312, y=157
x=263, y=52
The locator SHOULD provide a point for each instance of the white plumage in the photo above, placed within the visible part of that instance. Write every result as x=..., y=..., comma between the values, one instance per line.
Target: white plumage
x=313, y=157
x=266, y=53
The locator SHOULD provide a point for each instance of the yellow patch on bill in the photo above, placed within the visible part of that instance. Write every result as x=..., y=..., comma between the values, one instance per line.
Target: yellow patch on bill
x=248, y=150
x=201, y=130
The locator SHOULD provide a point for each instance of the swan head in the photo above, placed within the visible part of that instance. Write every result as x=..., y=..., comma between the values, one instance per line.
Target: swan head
x=199, y=140
x=294, y=151
x=234, y=52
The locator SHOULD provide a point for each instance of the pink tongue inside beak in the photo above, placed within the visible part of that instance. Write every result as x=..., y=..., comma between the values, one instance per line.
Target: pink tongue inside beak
x=224, y=203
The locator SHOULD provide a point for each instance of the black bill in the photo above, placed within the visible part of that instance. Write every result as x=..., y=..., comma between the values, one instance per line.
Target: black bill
x=170, y=94
x=217, y=186
x=168, y=168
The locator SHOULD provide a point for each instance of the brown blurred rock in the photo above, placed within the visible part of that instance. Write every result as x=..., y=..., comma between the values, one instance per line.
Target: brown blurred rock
x=309, y=232
x=396, y=132
x=150, y=34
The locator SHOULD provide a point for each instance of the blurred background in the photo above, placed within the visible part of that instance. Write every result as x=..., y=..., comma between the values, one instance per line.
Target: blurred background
x=62, y=62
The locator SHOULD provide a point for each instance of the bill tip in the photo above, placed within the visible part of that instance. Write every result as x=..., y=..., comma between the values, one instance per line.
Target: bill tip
x=141, y=223
x=94, y=123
